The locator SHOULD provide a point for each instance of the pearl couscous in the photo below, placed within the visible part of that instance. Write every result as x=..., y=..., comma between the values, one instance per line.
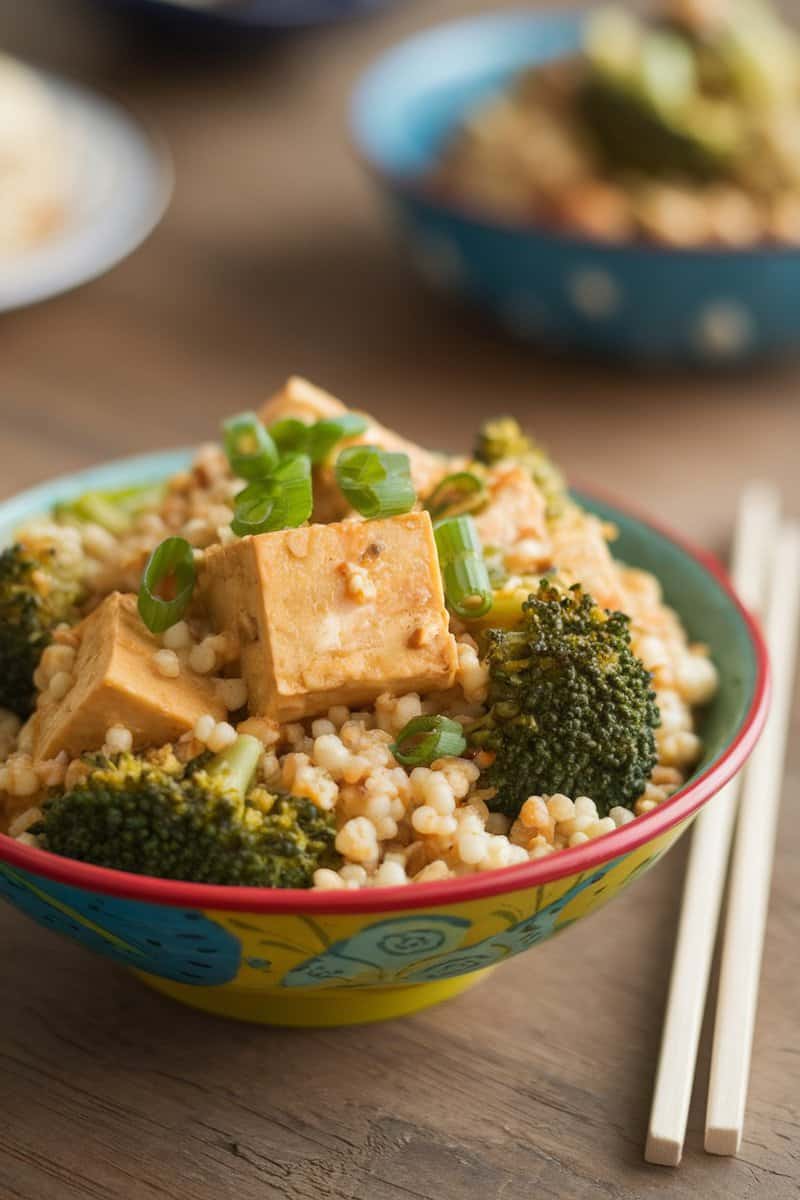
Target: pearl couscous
x=371, y=636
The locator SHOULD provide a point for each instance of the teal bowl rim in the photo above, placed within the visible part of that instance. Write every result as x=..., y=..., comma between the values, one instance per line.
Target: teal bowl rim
x=414, y=186
x=671, y=812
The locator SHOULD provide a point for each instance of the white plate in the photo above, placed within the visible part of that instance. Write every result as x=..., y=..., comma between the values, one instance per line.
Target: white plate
x=120, y=186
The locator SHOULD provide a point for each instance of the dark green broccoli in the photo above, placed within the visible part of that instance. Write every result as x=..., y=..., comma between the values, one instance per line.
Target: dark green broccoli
x=645, y=105
x=503, y=439
x=201, y=823
x=572, y=708
x=39, y=589
x=631, y=133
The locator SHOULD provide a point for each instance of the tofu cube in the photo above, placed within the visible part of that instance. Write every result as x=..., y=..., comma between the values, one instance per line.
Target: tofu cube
x=116, y=683
x=581, y=554
x=300, y=399
x=334, y=614
x=516, y=510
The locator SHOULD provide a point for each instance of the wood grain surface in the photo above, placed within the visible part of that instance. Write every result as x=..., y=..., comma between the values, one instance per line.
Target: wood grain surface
x=274, y=258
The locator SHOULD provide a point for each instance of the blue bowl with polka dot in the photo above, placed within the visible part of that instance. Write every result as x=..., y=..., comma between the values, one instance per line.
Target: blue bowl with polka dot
x=629, y=300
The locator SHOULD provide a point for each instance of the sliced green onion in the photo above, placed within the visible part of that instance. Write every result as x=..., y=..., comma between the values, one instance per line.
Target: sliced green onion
x=467, y=587
x=316, y=440
x=169, y=568
x=456, y=536
x=459, y=493
x=251, y=451
x=464, y=572
x=324, y=434
x=424, y=739
x=376, y=482
x=290, y=435
x=281, y=501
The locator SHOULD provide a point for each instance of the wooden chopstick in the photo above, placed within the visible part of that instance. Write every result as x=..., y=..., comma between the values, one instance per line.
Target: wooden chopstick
x=751, y=868
x=756, y=529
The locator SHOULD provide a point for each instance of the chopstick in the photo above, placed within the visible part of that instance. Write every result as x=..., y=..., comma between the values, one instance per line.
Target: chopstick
x=751, y=869
x=756, y=528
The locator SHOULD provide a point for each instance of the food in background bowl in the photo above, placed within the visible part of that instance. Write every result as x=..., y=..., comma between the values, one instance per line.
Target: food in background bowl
x=682, y=130
x=445, y=672
x=34, y=171
x=632, y=297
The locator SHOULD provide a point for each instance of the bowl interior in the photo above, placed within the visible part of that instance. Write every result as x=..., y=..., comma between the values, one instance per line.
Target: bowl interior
x=690, y=581
x=692, y=588
x=416, y=94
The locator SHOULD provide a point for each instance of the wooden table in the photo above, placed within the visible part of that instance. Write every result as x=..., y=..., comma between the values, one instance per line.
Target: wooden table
x=274, y=259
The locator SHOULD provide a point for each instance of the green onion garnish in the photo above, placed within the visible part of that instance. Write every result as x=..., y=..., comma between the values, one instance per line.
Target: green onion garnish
x=460, y=493
x=424, y=739
x=466, y=577
x=251, y=451
x=290, y=435
x=377, y=483
x=280, y=501
x=324, y=435
x=316, y=440
x=170, y=568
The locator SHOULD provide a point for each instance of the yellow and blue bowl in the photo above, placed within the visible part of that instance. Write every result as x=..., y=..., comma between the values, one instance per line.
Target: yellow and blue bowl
x=633, y=300
x=333, y=958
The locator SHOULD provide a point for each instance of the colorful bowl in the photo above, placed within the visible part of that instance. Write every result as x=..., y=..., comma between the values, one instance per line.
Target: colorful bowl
x=331, y=958
x=633, y=300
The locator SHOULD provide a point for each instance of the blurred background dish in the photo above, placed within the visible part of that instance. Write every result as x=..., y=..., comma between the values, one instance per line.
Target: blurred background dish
x=244, y=16
x=34, y=167
x=566, y=288
x=80, y=185
x=679, y=129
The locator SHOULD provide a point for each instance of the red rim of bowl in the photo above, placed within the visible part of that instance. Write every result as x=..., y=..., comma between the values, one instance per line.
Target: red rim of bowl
x=418, y=186
x=573, y=861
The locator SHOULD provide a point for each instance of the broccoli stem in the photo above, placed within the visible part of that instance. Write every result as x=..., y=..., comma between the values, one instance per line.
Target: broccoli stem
x=96, y=508
x=114, y=510
x=237, y=765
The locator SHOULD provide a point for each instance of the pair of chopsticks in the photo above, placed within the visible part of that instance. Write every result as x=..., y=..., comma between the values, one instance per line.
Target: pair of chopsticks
x=766, y=574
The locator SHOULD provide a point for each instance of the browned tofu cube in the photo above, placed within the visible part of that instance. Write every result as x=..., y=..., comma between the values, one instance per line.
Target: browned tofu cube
x=581, y=554
x=300, y=399
x=515, y=511
x=334, y=614
x=116, y=683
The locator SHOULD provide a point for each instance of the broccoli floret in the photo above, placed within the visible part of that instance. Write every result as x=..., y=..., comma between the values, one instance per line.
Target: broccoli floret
x=39, y=589
x=502, y=439
x=572, y=709
x=201, y=823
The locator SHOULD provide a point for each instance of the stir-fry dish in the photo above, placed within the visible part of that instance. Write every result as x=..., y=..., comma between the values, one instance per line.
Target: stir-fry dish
x=326, y=657
x=683, y=129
